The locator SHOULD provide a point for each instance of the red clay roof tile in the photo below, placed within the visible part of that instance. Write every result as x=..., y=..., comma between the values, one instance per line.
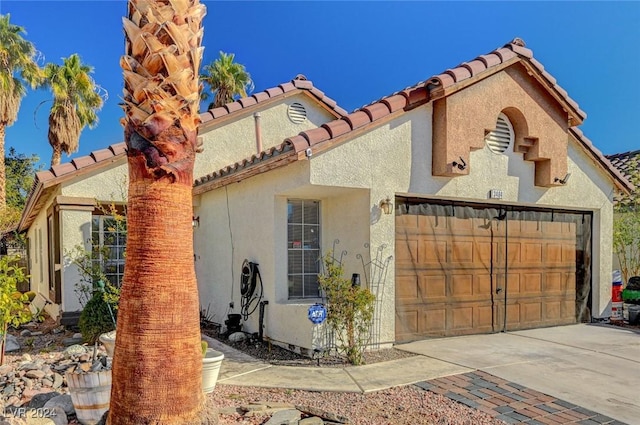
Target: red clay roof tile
x=303, y=84
x=490, y=59
x=445, y=80
x=261, y=97
x=337, y=128
x=62, y=169
x=218, y=112
x=505, y=54
x=102, y=154
x=83, y=161
x=247, y=101
x=206, y=117
x=475, y=67
x=459, y=73
x=376, y=111
x=316, y=135
x=274, y=91
x=357, y=119
x=118, y=148
x=395, y=102
x=233, y=106
x=298, y=142
x=287, y=87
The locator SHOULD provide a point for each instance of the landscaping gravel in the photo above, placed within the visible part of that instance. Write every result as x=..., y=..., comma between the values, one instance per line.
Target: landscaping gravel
x=407, y=405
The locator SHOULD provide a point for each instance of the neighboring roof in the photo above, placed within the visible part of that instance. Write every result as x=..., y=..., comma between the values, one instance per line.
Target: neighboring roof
x=624, y=161
x=386, y=108
x=298, y=84
x=97, y=159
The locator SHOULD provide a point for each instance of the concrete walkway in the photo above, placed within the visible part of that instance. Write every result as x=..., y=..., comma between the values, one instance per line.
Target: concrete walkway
x=593, y=366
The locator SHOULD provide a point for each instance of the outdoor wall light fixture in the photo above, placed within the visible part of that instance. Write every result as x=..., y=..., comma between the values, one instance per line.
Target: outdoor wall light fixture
x=386, y=206
x=195, y=221
x=563, y=180
x=460, y=165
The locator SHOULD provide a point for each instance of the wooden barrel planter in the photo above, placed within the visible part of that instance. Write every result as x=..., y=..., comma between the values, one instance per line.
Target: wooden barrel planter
x=90, y=393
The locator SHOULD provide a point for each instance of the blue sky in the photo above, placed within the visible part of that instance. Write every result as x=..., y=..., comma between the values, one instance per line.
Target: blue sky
x=357, y=52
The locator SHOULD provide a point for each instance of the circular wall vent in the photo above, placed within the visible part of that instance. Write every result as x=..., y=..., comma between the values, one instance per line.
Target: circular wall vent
x=501, y=138
x=297, y=113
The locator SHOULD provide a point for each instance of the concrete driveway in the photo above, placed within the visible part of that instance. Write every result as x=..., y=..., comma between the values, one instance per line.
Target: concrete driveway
x=593, y=366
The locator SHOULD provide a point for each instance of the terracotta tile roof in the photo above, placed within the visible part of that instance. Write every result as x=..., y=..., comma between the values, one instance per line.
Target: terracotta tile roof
x=624, y=161
x=616, y=172
x=414, y=96
x=110, y=154
x=300, y=83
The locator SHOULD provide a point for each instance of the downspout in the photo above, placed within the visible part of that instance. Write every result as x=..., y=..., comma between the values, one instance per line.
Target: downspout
x=256, y=117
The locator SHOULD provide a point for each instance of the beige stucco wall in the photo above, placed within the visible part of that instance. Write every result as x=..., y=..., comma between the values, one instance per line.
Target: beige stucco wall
x=106, y=184
x=351, y=179
x=254, y=227
x=75, y=231
x=232, y=141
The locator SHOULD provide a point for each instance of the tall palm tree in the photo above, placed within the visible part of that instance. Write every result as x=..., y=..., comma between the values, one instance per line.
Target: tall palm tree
x=75, y=103
x=157, y=364
x=18, y=68
x=226, y=79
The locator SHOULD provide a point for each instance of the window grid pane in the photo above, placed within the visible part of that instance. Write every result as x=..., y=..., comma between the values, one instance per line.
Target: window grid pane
x=109, y=237
x=303, y=245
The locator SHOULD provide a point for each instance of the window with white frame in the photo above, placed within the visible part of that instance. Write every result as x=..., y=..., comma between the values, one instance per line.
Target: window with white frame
x=108, y=240
x=303, y=243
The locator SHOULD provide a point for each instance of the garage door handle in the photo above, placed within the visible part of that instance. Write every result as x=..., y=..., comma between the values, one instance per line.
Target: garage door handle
x=498, y=290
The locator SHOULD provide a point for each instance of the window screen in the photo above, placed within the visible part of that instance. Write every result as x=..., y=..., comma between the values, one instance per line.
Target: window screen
x=303, y=248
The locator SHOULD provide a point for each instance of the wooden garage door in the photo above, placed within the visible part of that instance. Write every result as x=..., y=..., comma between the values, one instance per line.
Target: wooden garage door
x=450, y=275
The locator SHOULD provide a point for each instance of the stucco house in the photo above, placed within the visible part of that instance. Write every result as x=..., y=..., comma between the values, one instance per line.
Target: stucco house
x=469, y=202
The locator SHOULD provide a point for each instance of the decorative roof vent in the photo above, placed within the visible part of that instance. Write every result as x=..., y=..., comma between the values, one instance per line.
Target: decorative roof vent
x=297, y=113
x=501, y=138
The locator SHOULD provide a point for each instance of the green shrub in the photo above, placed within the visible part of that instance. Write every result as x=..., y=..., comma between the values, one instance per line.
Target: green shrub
x=96, y=317
x=349, y=310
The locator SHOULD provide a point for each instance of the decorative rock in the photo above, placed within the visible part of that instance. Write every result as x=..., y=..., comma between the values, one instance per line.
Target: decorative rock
x=71, y=341
x=26, y=357
x=8, y=390
x=40, y=400
x=75, y=350
x=314, y=411
x=5, y=369
x=12, y=344
x=85, y=358
x=237, y=337
x=77, y=335
x=57, y=380
x=313, y=420
x=25, y=332
x=13, y=401
x=47, y=383
x=285, y=417
x=61, y=401
x=37, y=333
x=35, y=374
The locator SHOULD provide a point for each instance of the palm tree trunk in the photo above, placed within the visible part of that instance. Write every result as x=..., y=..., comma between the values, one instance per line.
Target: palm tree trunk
x=158, y=360
x=157, y=364
x=56, y=156
x=3, y=171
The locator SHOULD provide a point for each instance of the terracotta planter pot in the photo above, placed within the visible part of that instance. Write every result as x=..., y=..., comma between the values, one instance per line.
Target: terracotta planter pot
x=211, y=363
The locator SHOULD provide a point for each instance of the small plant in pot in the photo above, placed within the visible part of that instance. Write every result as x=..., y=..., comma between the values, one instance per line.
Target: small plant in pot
x=211, y=362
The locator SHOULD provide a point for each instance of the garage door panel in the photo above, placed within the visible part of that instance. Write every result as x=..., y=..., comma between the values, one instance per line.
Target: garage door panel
x=449, y=268
x=531, y=283
x=407, y=289
x=432, y=252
